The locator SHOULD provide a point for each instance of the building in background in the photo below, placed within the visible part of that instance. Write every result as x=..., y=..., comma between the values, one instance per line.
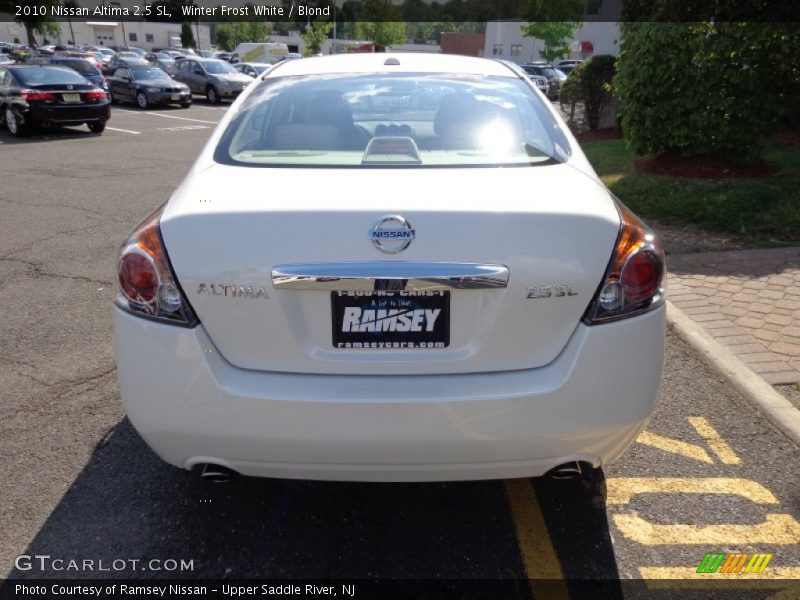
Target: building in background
x=144, y=34
x=466, y=44
x=504, y=40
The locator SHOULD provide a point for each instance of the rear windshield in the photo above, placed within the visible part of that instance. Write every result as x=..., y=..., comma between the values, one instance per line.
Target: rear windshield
x=408, y=119
x=217, y=67
x=84, y=67
x=143, y=73
x=52, y=74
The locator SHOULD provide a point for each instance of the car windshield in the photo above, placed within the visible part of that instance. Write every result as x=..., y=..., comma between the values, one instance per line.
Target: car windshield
x=51, y=74
x=392, y=120
x=142, y=73
x=217, y=67
x=259, y=68
x=84, y=67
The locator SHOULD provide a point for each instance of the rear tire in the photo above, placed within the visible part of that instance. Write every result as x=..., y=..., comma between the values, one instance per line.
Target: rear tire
x=111, y=97
x=97, y=127
x=14, y=124
x=141, y=100
x=211, y=95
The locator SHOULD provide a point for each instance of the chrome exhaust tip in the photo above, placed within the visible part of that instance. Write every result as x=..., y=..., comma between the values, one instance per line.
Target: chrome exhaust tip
x=216, y=473
x=569, y=470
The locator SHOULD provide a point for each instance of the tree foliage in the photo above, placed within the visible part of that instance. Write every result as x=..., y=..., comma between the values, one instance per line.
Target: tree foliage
x=589, y=85
x=720, y=88
x=230, y=35
x=43, y=24
x=314, y=36
x=187, y=36
x=556, y=36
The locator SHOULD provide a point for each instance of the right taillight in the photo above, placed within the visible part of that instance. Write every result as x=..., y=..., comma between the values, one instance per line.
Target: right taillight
x=634, y=280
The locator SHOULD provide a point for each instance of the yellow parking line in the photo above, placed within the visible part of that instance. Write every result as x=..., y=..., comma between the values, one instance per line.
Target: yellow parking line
x=538, y=555
x=622, y=489
x=674, y=446
x=715, y=441
x=775, y=529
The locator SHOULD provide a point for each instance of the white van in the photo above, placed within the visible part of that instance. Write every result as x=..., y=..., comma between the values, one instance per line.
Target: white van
x=260, y=52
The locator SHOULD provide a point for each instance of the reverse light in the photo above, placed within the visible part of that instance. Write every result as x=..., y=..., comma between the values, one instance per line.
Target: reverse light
x=146, y=284
x=634, y=280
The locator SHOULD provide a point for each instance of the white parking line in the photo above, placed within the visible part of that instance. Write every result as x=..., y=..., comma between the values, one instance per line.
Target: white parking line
x=122, y=130
x=155, y=114
x=184, y=128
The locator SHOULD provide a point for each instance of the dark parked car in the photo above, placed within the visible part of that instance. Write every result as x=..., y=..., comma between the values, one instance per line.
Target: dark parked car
x=213, y=78
x=39, y=95
x=161, y=60
x=82, y=66
x=146, y=86
x=547, y=71
x=119, y=62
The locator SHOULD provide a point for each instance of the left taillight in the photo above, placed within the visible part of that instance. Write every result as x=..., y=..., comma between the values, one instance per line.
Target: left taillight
x=146, y=284
x=35, y=96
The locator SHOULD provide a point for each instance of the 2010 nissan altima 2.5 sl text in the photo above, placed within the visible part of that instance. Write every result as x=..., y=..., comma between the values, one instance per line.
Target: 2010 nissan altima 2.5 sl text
x=390, y=268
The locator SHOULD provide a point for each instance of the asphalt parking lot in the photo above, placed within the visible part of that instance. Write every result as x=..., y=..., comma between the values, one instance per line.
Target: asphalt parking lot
x=709, y=475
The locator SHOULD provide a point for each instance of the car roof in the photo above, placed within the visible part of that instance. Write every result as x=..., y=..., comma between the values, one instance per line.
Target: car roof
x=405, y=62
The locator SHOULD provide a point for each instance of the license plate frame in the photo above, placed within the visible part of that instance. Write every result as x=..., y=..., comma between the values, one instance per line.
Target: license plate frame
x=71, y=98
x=175, y=97
x=401, y=327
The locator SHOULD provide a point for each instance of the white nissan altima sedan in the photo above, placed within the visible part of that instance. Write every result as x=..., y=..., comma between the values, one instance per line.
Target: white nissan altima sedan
x=390, y=268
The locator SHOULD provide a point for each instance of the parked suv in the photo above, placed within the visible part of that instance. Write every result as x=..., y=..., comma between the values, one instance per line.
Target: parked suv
x=547, y=71
x=215, y=79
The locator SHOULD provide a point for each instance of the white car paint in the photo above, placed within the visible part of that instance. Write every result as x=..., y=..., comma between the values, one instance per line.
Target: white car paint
x=525, y=385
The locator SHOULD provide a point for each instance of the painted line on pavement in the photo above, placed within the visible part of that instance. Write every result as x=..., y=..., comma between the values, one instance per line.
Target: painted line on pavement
x=123, y=130
x=538, y=555
x=753, y=388
x=155, y=114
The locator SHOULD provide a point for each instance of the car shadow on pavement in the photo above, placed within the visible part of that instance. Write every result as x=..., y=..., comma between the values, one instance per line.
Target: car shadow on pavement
x=126, y=505
x=46, y=135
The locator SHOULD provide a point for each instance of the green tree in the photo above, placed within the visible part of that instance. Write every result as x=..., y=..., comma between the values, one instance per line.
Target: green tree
x=314, y=36
x=556, y=36
x=37, y=23
x=720, y=89
x=187, y=37
x=382, y=24
x=230, y=35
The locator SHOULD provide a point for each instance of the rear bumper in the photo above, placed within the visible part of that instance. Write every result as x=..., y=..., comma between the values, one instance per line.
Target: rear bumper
x=192, y=407
x=166, y=97
x=39, y=113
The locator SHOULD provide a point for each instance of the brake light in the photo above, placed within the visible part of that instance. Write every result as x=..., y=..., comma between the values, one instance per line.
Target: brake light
x=34, y=96
x=146, y=284
x=634, y=279
x=96, y=95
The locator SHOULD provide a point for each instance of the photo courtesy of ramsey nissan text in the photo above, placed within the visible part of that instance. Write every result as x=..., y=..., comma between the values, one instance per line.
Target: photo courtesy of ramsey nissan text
x=399, y=299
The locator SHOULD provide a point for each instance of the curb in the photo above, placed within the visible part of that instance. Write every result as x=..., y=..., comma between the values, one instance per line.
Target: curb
x=755, y=390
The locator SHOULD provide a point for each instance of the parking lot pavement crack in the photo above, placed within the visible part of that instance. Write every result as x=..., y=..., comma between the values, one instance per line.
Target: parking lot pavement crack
x=90, y=211
x=33, y=243
x=39, y=271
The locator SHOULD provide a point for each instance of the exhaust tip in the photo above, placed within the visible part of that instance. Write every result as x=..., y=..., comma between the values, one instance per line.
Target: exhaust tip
x=216, y=473
x=570, y=470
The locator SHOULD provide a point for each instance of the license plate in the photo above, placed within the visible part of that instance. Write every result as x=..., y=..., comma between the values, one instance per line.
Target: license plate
x=176, y=97
x=71, y=97
x=391, y=320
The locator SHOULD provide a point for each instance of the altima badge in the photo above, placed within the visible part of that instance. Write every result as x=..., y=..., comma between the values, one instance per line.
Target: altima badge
x=232, y=291
x=392, y=234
